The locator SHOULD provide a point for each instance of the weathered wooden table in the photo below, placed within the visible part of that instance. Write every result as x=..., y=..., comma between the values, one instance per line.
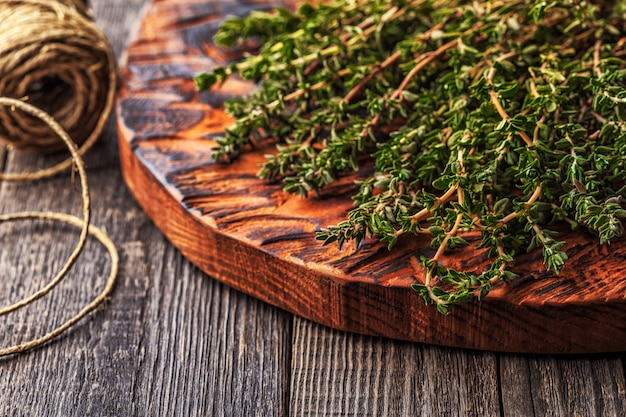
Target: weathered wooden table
x=173, y=341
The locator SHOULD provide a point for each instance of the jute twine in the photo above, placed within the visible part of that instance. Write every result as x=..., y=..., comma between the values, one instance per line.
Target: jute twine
x=57, y=87
x=53, y=56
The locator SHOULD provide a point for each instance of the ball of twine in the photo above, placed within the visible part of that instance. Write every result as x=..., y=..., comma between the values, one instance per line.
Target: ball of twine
x=53, y=56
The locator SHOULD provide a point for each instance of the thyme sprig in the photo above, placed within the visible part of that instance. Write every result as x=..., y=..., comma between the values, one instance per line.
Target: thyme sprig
x=498, y=119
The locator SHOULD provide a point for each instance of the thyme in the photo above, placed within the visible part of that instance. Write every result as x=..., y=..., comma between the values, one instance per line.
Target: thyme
x=497, y=119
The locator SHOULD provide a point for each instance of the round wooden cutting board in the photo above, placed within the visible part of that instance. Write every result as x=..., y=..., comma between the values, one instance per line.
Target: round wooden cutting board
x=250, y=235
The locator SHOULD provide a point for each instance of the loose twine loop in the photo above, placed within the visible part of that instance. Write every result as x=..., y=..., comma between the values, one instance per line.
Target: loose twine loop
x=57, y=88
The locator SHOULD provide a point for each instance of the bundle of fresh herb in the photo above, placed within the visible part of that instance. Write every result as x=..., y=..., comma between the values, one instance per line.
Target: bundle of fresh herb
x=497, y=118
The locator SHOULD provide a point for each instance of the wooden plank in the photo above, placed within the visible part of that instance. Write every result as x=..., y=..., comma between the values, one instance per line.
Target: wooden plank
x=252, y=236
x=554, y=386
x=74, y=371
x=170, y=341
x=113, y=362
x=212, y=350
x=343, y=374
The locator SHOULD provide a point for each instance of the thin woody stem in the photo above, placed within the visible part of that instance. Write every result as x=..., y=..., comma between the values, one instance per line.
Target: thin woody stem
x=495, y=100
x=422, y=62
x=449, y=235
x=534, y=197
x=596, y=58
x=386, y=63
x=441, y=200
x=355, y=90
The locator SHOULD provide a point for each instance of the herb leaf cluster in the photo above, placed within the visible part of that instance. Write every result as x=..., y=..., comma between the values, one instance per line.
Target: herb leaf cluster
x=498, y=119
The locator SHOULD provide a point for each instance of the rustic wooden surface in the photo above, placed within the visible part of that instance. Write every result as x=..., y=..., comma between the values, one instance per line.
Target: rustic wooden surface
x=173, y=341
x=249, y=234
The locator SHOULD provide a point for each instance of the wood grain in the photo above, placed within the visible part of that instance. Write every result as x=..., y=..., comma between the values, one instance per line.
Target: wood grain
x=253, y=237
x=552, y=386
x=236, y=352
x=343, y=374
x=169, y=341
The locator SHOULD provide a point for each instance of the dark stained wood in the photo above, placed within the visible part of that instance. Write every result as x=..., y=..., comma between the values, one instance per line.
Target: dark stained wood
x=169, y=341
x=551, y=386
x=336, y=373
x=173, y=341
x=248, y=234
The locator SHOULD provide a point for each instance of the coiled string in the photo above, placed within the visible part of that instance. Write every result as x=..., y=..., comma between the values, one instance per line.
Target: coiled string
x=57, y=88
x=53, y=55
